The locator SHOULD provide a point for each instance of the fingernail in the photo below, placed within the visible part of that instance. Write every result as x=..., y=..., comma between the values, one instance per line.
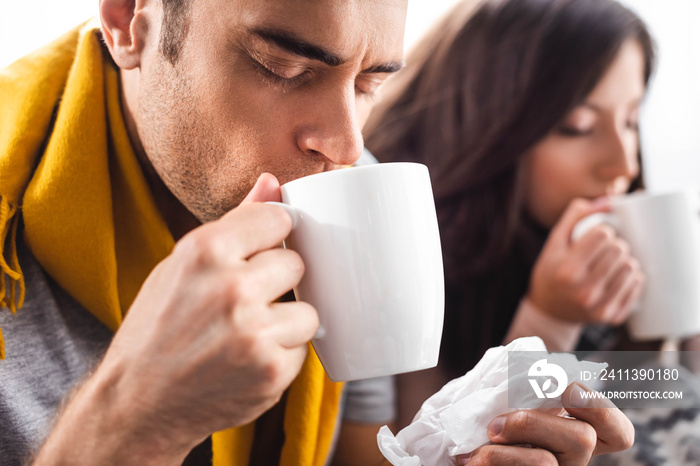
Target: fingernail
x=464, y=459
x=577, y=399
x=496, y=426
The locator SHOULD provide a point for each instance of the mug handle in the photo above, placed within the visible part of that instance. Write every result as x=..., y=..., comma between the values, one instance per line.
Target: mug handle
x=586, y=223
x=294, y=214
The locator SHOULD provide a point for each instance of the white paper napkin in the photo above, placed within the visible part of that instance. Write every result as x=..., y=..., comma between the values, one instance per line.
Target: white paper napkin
x=454, y=420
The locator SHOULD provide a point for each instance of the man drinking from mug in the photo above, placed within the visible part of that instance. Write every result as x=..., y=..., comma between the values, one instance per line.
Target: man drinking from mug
x=134, y=161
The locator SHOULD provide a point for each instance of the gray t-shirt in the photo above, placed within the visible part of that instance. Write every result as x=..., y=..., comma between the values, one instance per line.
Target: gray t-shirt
x=52, y=343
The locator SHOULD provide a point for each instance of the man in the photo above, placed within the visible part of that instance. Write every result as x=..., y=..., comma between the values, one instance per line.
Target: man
x=220, y=101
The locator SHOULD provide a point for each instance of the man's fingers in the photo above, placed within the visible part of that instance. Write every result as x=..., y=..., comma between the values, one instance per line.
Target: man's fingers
x=297, y=323
x=614, y=431
x=251, y=227
x=279, y=367
x=236, y=236
x=506, y=455
x=570, y=440
x=270, y=274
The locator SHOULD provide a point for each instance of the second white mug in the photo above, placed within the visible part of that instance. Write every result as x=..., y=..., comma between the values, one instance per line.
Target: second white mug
x=663, y=231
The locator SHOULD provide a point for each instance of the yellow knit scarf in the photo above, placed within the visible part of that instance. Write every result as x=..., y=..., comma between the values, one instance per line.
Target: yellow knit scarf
x=68, y=169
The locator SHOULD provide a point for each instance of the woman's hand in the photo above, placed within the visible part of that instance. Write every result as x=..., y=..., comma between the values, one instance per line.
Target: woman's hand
x=592, y=279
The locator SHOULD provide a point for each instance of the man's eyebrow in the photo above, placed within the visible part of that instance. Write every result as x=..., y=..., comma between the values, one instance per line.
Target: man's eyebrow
x=391, y=67
x=292, y=44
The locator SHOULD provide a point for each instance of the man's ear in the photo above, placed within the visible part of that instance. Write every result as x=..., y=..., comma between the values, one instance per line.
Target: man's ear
x=124, y=31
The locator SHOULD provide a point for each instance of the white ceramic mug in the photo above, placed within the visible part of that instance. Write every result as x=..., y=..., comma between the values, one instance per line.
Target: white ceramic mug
x=370, y=243
x=663, y=231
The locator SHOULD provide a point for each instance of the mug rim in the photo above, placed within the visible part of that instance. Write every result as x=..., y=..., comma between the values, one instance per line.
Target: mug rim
x=335, y=172
x=636, y=196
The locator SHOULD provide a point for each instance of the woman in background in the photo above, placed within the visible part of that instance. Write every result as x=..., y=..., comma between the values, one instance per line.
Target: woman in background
x=526, y=113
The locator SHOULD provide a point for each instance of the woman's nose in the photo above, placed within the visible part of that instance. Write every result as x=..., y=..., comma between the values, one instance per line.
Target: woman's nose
x=622, y=152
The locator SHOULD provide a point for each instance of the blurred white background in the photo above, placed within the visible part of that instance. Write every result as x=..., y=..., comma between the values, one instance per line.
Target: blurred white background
x=670, y=119
x=670, y=122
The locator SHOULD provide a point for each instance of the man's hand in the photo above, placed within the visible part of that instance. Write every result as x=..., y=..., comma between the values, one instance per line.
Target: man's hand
x=537, y=438
x=204, y=346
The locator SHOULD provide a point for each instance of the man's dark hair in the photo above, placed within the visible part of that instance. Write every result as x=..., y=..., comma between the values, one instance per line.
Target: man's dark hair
x=174, y=28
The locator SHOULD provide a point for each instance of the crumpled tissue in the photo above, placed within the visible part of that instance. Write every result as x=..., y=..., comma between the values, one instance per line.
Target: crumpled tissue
x=454, y=421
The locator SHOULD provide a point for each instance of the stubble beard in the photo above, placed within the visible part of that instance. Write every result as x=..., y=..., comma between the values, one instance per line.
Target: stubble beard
x=183, y=148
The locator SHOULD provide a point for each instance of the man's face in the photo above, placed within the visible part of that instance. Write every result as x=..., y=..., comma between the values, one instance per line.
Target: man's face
x=278, y=86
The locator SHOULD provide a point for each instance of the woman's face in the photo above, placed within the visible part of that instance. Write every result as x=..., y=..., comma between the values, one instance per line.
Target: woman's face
x=593, y=151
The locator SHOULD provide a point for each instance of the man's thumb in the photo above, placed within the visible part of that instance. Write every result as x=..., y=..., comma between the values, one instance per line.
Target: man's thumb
x=266, y=189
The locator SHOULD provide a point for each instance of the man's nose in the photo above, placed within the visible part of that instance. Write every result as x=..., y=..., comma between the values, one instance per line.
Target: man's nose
x=332, y=130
